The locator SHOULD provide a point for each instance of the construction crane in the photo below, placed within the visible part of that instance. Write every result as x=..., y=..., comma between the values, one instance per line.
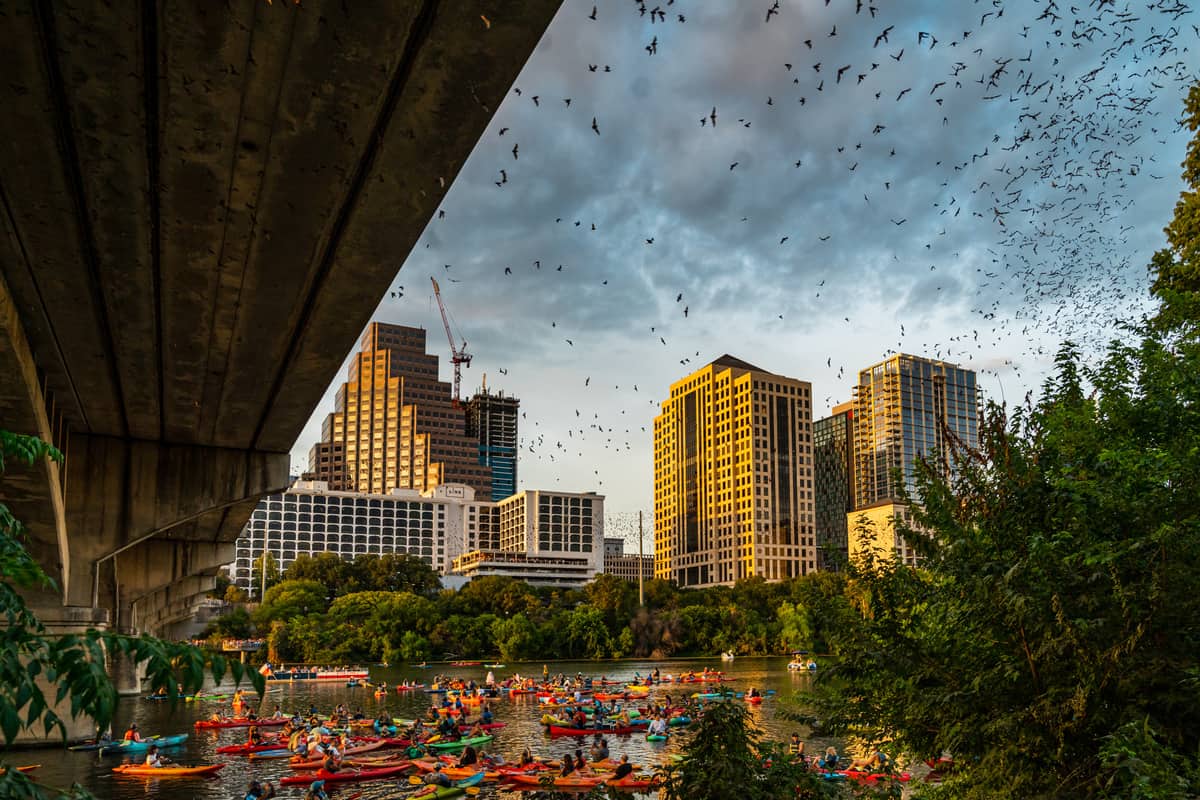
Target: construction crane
x=458, y=355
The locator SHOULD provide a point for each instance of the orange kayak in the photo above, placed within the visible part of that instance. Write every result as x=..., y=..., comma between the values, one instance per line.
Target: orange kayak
x=166, y=772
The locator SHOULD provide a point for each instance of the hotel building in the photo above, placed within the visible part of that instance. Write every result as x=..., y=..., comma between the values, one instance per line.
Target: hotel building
x=906, y=409
x=733, y=478
x=550, y=538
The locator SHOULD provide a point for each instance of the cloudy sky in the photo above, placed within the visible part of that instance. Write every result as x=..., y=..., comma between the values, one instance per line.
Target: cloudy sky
x=970, y=180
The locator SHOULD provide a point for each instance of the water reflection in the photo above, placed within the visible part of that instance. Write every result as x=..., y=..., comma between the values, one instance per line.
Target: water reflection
x=521, y=714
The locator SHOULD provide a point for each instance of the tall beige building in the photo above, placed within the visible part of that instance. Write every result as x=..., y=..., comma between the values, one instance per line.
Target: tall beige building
x=394, y=425
x=907, y=409
x=733, y=477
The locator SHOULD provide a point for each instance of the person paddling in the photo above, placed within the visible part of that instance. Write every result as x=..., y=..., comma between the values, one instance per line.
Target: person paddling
x=131, y=734
x=260, y=791
x=153, y=759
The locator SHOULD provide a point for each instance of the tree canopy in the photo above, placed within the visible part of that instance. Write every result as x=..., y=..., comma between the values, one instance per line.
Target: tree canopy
x=1050, y=641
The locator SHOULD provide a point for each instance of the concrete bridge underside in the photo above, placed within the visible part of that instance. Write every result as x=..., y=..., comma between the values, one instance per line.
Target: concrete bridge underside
x=201, y=204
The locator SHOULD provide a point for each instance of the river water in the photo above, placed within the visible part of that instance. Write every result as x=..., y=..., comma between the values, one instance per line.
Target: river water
x=521, y=714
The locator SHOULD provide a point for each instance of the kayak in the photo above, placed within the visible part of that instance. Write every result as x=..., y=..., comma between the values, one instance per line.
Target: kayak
x=300, y=761
x=636, y=783
x=166, y=772
x=239, y=722
x=262, y=755
x=432, y=792
x=144, y=745
x=655, y=737
x=754, y=700
x=242, y=749
x=26, y=768
x=556, y=730
x=571, y=781
x=460, y=744
x=346, y=775
x=461, y=773
x=860, y=776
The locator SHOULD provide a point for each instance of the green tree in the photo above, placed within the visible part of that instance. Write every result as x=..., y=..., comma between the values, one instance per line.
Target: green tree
x=615, y=598
x=725, y=757
x=328, y=569
x=235, y=594
x=234, y=625
x=259, y=584
x=1051, y=641
x=291, y=599
x=516, y=638
x=31, y=658
x=397, y=572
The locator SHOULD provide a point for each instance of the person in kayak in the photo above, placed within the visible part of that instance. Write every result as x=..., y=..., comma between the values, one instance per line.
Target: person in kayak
x=486, y=714
x=796, y=747
x=599, y=750
x=253, y=736
x=623, y=770
x=131, y=734
x=153, y=759
x=568, y=766
x=468, y=758
x=878, y=761
x=829, y=761
x=526, y=758
x=316, y=791
x=260, y=791
x=437, y=777
x=752, y=693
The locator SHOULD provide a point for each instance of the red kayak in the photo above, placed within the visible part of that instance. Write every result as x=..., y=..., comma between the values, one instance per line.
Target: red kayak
x=240, y=722
x=556, y=730
x=872, y=778
x=346, y=775
x=241, y=749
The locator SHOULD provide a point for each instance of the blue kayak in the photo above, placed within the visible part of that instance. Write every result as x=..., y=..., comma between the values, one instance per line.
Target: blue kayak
x=472, y=780
x=144, y=745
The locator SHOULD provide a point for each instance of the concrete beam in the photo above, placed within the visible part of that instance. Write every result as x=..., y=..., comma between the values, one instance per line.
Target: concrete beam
x=34, y=495
x=163, y=510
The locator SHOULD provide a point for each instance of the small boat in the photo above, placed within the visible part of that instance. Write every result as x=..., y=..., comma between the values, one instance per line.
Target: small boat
x=141, y=770
x=127, y=746
x=347, y=775
x=239, y=722
x=466, y=663
x=452, y=747
x=495, y=666
x=558, y=730
x=571, y=781
x=242, y=749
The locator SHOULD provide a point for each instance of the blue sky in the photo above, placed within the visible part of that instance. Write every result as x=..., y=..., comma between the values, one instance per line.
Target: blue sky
x=1019, y=210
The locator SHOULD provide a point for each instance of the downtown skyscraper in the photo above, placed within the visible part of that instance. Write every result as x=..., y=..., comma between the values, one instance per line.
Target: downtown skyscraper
x=906, y=409
x=395, y=424
x=733, y=482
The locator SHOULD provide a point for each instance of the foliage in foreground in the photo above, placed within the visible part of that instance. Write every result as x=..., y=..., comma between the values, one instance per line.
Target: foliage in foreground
x=38, y=671
x=726, y=756
x=1051, y=641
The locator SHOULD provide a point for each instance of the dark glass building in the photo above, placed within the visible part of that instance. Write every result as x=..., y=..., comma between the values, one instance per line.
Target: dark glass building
x=833, y=484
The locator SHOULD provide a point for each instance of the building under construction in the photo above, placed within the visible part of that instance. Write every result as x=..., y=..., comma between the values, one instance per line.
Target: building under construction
x=492, y=422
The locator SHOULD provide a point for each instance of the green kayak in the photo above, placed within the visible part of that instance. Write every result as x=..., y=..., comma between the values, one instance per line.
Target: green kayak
x=453, y=747
x=437, y=792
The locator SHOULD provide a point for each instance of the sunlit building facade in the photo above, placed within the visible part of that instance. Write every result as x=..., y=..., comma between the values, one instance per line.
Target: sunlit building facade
x=907, y=409
x=395, y=424
x=733, y=478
